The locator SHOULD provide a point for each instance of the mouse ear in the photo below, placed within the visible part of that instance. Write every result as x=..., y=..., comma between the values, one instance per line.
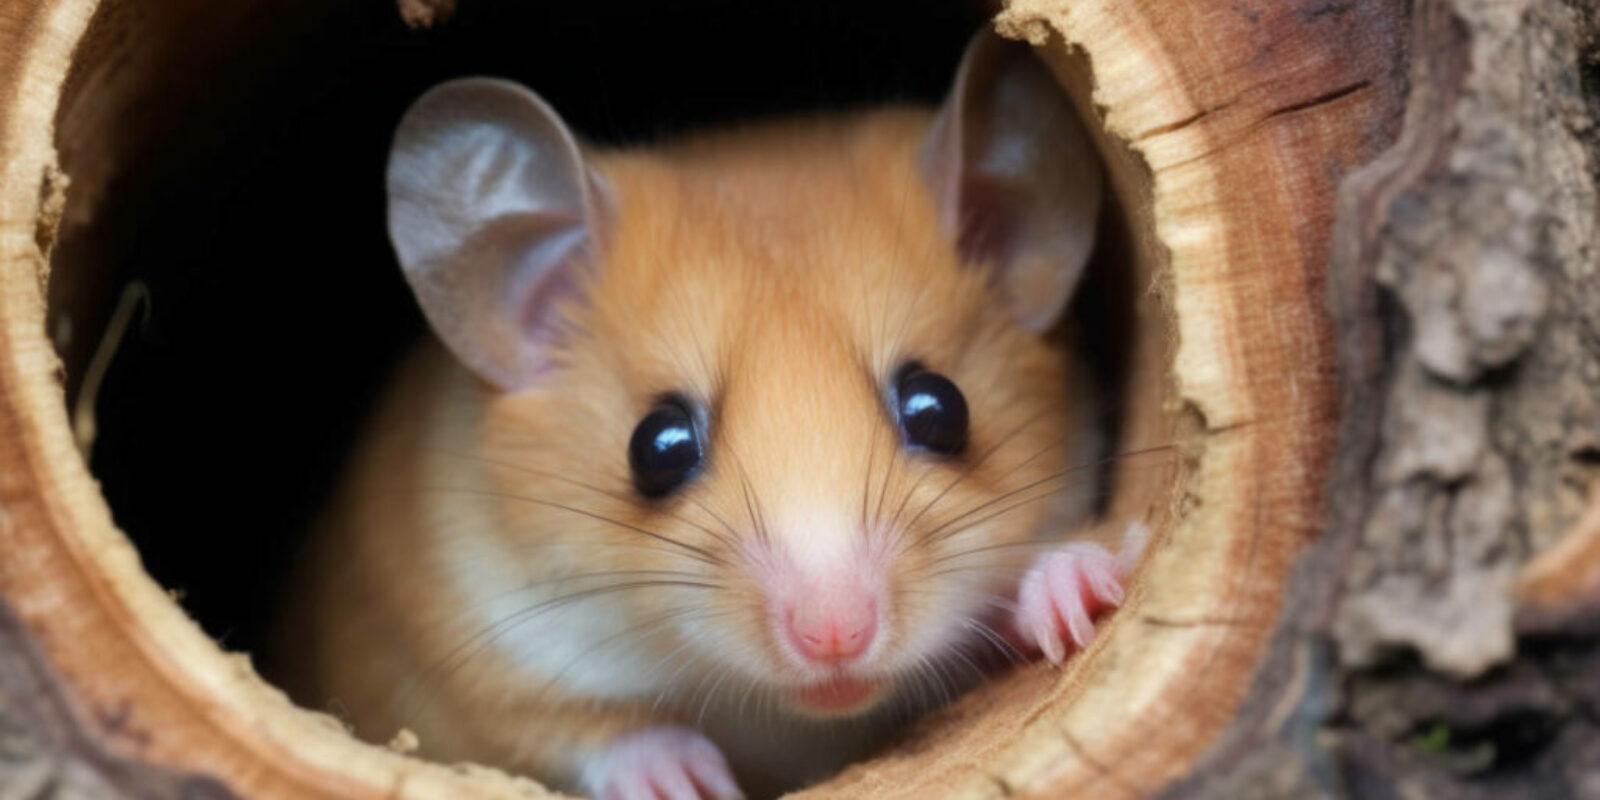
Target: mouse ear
x=1016, y=177
x=492, y=213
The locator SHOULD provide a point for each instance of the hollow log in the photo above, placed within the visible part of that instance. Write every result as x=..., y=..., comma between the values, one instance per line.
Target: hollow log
x=1362, y=234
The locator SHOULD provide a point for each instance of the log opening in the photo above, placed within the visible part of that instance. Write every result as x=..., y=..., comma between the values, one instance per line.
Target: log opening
x=249, y=211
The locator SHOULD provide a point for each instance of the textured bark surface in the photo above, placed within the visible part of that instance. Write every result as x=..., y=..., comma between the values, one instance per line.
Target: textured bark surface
x=1422, y=656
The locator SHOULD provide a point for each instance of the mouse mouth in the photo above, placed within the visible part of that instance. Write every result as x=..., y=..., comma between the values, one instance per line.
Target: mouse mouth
x=839, y=695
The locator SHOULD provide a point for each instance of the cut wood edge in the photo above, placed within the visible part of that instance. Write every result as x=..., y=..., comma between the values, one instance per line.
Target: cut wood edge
x=1245, y=290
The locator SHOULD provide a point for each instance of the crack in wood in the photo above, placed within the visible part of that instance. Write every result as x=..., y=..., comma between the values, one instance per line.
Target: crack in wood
x=1179, y=124
x=1100, y=768
x=1245, y=131
x=1332, y=96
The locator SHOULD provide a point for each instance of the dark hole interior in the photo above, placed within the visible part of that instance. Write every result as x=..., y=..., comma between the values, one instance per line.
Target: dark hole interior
x=256, y=222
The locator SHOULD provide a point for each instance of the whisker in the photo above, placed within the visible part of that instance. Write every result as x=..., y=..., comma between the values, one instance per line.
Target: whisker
x=625, y=499
x=1038, y=544
x=883, y=490
x=703, y=555
x=750, y=687
x=732, y=532
x=977, y=671
x=999, y=642
x=752, y=503
x=866, y=481
x=527, y=469
x=933, y=535
x=533, y=585
x=1049, y=493
x=979, y=461
x=918, y=676
x=947, y=685
x=987, y=631
x=1067, y=472
x=700, y=719
x=667, y=687
x=627, y=631
x=479, y=641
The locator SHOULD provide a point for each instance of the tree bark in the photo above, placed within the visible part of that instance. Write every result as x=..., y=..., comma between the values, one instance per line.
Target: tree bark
x=1422, y=654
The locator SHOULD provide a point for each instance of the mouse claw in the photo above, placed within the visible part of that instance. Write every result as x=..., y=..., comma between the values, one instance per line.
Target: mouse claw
x=661, y=763
x=1060, y=595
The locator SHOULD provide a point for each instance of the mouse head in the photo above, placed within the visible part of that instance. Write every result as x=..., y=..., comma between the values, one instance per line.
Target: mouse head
x=781, y=390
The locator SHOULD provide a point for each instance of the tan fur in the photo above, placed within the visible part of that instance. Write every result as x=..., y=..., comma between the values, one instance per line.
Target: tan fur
x=780, y=274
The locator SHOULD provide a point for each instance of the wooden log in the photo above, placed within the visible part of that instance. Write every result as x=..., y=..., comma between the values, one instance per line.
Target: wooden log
x=1229, y=127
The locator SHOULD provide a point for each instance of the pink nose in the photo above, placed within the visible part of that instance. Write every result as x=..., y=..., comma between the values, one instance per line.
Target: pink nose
x=833, y=628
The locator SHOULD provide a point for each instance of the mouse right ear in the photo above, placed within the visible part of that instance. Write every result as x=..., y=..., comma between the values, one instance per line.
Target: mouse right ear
x=492, y=213
x=1016, y=177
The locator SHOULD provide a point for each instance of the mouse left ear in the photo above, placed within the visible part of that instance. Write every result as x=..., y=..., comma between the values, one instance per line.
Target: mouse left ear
x=494, y=215
x=1016, y=177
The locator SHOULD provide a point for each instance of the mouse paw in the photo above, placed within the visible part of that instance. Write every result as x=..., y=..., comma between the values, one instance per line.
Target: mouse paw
x=661, y=763
x=1061, y=594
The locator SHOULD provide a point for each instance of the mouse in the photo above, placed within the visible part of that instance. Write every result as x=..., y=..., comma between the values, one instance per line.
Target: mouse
x=726, y=456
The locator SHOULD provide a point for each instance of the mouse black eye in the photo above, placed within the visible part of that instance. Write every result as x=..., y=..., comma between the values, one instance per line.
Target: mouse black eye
x=931, y=410
x=665, y=450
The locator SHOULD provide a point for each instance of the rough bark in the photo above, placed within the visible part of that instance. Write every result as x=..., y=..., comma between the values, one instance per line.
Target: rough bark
x=1420, y=657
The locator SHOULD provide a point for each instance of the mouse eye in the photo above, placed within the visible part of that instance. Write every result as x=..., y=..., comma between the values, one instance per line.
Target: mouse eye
x=664, y=452
x=931, y=410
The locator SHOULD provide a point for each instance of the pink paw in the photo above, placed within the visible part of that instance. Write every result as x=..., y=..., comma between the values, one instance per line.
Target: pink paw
x=1067, y=587
x=661, y=763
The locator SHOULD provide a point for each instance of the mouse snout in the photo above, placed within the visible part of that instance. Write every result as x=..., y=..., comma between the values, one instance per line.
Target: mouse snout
x=831, y=624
